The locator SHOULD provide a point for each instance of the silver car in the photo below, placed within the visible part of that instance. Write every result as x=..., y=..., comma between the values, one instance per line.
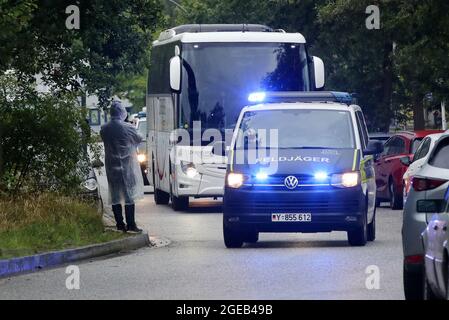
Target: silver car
x=426, y=197
x=436, y=247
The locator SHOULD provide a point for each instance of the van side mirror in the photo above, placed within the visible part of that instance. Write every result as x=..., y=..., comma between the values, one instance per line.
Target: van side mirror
x=374, y=147
x=175, y=73
x=318, y=67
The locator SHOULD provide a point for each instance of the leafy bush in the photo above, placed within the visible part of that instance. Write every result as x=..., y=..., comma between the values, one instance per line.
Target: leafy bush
x=43, y=138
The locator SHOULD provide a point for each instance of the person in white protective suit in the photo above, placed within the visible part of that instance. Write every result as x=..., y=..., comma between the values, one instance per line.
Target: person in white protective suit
x=122, y=167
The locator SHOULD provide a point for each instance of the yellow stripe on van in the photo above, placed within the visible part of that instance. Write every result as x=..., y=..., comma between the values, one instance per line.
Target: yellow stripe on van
x=232, y=160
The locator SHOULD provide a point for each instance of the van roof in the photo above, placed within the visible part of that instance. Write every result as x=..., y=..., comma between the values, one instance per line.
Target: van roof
x=301, y=105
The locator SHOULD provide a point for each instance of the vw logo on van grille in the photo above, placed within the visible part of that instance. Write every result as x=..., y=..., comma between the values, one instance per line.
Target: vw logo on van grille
x=291, y=182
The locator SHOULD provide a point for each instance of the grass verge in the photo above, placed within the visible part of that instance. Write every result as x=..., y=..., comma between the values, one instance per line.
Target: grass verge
x=47, y=222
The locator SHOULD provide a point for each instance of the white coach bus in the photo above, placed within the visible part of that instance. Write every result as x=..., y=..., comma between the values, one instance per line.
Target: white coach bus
x=201, y=77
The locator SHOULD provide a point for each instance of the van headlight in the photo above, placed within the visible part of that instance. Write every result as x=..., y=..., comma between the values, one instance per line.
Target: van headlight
x=346, y=180
x=189, y=169
x=141, y=157
x=235, y=180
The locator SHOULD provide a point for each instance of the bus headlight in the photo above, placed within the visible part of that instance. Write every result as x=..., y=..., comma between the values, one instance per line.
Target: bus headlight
x=346, y=180
x=235, y=180
x=189, y=169
x=141, y=157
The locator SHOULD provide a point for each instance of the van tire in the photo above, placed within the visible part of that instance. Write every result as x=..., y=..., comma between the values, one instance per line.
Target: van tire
x=359, y=236
x=252, y=237
x=232, y=237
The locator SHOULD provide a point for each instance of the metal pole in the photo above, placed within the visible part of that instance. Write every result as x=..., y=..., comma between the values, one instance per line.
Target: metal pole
x=443, y=115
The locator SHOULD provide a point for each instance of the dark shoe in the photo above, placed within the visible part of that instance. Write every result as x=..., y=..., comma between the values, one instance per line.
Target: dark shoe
x=134, y=229
x=122, y=228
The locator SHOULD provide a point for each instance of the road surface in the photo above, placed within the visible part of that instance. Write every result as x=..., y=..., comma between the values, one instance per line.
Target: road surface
x=196, y=265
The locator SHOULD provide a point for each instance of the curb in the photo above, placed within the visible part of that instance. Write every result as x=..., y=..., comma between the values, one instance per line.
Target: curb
x=38, y=262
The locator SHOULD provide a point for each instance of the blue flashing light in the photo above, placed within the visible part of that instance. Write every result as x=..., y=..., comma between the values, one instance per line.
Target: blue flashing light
x=321, y=176
x=343, y=97
x=261, y=176
x=257, y=97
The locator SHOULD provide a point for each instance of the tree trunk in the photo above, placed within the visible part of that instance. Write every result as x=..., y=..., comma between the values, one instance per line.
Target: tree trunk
x=418, y=113
x=387, y=85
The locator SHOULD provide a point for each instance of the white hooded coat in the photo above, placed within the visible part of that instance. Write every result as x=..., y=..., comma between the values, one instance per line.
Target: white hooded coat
x=122, y=167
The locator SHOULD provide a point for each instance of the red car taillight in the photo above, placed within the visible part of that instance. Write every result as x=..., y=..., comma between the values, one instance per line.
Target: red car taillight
x=423, y=184
x=418, y=259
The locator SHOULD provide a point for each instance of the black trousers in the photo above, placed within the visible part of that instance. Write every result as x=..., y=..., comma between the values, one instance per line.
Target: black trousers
x=129, y=215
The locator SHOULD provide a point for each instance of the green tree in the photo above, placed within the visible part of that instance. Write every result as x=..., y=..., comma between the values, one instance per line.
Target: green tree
x=113, y=39
x=43, y=137
x=391, y=69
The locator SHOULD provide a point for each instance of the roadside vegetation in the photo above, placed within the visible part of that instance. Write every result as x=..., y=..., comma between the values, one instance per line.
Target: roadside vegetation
x=33, y=224
x=45, y=71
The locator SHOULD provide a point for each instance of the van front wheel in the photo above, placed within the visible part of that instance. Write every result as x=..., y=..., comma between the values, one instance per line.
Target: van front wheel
x=232, y=237
x=359, y=236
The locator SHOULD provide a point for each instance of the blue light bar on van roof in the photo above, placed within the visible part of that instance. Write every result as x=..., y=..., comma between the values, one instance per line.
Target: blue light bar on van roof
x=301, y=96
x=257, y=97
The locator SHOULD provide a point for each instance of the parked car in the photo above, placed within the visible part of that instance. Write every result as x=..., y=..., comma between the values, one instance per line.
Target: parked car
x=380, y=136
x=389, y=168
x=436, y=259
x=426, y=197
x=416, y=162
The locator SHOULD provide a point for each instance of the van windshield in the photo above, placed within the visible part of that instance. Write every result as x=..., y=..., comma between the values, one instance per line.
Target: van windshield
x=296, y=129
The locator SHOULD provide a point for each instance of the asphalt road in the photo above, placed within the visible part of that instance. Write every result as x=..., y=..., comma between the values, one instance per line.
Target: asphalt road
x=196, y=265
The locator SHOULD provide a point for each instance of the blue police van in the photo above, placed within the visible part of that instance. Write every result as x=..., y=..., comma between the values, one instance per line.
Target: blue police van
x=300, y=162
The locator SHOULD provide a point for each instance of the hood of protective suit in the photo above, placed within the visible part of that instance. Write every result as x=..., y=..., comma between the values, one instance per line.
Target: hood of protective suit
x=118, y=111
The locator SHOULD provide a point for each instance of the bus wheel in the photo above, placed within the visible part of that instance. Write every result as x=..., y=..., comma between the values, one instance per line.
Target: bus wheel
x=161, y=197
x=179, y=203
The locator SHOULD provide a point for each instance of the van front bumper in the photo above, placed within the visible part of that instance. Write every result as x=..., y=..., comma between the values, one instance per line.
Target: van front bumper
x=332, y=209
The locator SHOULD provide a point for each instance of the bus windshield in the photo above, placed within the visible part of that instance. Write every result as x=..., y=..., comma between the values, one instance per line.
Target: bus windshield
x=218, y=77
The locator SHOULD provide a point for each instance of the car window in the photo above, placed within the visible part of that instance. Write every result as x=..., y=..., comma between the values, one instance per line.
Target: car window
x=415, y=145
x=394, y=146
x=363, y=131
x=440, y=157
x=387, y=146
x=423, y=149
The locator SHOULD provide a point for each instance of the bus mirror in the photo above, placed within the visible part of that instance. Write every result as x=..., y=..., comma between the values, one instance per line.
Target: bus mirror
x=175, y=73
x=318, y=66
